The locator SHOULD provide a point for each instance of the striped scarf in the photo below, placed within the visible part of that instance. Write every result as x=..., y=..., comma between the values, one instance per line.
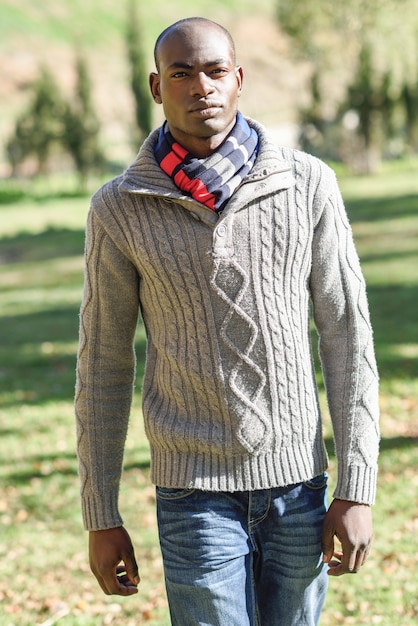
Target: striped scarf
x=213, y=180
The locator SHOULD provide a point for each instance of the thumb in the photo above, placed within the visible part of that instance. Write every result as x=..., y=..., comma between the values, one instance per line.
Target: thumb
x=131, y=568
x=327, y=545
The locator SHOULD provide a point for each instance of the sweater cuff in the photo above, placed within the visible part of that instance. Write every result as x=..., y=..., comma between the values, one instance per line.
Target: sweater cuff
x=358, y=484
x=101, y=513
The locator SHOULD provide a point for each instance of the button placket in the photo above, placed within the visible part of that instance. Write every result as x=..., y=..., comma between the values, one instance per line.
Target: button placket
x=221, y=230
x=221, y=241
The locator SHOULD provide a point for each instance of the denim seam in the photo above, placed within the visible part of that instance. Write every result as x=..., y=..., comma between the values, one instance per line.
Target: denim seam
x=252, y=523
x=255, y=617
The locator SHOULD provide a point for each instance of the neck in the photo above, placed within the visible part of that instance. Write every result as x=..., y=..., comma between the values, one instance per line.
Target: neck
x=201, y=147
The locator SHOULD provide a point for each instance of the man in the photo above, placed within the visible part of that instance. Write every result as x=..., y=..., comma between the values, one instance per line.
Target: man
x=223, y=241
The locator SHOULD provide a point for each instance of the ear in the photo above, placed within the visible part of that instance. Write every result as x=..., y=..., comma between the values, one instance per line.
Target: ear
x=154, y=84
x=240, y=77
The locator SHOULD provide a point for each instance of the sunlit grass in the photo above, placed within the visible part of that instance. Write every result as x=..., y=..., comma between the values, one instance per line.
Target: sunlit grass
x=44, y=573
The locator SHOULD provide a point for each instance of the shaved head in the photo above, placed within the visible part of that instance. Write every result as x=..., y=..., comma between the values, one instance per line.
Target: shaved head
x=184, y=25
x=197, y=82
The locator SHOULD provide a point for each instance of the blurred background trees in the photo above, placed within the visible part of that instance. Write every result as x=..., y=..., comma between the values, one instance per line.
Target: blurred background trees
x=80, y=133
x=39, y=128
x=51, y=126
x=361, y=84
x=364, y=78
x=55, y=126
x=139, y=73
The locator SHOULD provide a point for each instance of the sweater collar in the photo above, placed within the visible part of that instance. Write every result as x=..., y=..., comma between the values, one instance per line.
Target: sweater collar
x=144, y=175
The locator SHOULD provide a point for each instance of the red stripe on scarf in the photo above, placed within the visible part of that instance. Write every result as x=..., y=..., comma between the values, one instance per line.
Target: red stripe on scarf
x=196, y=188
x=173, y=159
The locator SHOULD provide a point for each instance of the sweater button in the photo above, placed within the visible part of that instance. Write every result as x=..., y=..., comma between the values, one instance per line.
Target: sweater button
x=221, y=230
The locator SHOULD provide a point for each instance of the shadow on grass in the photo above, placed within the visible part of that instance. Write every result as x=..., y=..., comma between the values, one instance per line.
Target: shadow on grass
x=36, y=363
x=50, y=325
x=393, y=311
x=43, y=466
x=386, y=444
x=11, y=193
x=396, y=255
x=33, y=370
x=50, y=244
x=381, y=208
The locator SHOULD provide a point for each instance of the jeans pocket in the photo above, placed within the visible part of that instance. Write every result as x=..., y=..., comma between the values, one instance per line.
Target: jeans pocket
x=171, y=494
x=318, y=482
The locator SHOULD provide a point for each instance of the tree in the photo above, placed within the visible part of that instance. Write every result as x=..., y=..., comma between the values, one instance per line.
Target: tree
x=313, y=127
x=139, y=75
x=364, y=98
x=410, y=101
x=81, y=126
x=359, y=51
x=388, y=106
x=40, y=127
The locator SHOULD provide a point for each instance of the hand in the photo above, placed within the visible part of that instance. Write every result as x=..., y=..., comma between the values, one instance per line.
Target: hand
x=352, y=524
x=107, y=549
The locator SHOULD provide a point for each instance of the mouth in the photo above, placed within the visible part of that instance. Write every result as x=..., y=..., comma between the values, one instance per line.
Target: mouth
x=205, y=109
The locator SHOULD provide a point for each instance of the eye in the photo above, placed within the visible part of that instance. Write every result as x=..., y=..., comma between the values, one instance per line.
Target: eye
x=219, y=70
x=178, y=75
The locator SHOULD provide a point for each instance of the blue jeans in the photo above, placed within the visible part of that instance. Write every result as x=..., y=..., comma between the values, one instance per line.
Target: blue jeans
x=244, y=558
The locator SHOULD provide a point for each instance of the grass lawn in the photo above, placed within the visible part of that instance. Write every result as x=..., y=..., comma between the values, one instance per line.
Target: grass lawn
x=44, y=575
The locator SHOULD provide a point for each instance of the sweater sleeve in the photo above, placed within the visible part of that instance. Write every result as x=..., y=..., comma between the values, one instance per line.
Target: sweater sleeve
x=346, y=350
x=105, y=373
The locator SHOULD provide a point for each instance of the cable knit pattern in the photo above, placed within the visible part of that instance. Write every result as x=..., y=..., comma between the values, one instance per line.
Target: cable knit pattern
x=229, y=394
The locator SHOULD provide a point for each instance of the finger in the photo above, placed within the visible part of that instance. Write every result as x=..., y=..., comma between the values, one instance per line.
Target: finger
x=362, y=555
x=120, y=586
x=350, y=560
x=366, y=553
x=346, y=565
x=124, y=578
x=357, y=556
x=117, y=583
x=126, y=587
x=338, y=555
x=335, y=567
x=131, y=568
x=327, y=546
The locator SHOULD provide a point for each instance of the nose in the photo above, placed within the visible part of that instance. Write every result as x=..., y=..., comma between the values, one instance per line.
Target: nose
x=201, y=85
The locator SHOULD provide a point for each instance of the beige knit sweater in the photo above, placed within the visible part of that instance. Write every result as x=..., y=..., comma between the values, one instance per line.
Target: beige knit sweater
x=229, y=393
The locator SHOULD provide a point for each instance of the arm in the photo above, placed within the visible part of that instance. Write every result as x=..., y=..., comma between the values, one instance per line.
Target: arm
x=346, y=348
x=351, y=381
x=105, y=374
x=107, y=549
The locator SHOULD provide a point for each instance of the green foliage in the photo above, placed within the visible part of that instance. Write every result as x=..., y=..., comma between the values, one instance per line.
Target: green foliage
x=302, y=21
x=369, y=48
x=139, y=74
x=52, y=124
x=409, y=97
x=10, y=194
x=324, y=27
x=38, y=129
x=81, y=126
x=362, y=95
x=371, y=122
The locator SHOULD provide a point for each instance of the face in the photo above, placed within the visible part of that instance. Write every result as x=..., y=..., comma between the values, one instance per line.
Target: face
x=198, y=85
